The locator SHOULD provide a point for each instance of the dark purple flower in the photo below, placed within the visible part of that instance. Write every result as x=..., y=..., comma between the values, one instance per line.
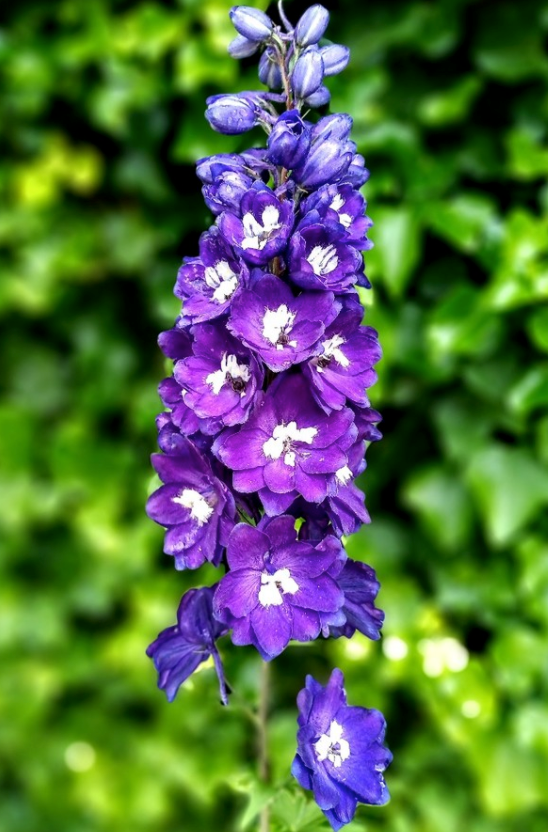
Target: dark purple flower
x=288, y=446
x=221, y=378
x=175, y=343
x=289, y=140
x=195, y=507
x=282, y=329
x=208, y=283
x=251, y=23
x=179, y=650
x=340, y=752
x=343, y=204
x=172, y=396
x=250, y=162
x=331, y=152
x=320, y=257
x=227, y=191
x=342, y=369
x=264, y=227
x=360, y=586
x=345, y=504
x=366, y=420
x=357, y=174
x=312, y=25
x=277, y=587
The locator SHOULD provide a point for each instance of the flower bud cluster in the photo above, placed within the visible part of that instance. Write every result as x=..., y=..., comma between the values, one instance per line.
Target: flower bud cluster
x=266, y=417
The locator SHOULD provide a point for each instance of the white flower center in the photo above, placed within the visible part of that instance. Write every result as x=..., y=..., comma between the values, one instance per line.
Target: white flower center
x=332, y=747
x=332, y=349
x=200, y=509
x=230, y=373
x=336, y=204
x=277, y=324
x=222, y=279
x=257, y=235
x=323, y=259
x=343, y=475
x=282, y=439
x=272, y=587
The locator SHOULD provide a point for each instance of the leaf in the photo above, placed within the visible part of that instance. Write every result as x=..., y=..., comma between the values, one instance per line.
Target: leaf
x=441, y=501
x=531, y=391
x=510, y=488
x=296, y=813
x=397, y=246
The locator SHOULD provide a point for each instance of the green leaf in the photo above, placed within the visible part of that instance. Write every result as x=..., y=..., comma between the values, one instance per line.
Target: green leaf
x=397, y=245
x=531, y=391
x=463, y=221
x=441, y=501
x=510, y=488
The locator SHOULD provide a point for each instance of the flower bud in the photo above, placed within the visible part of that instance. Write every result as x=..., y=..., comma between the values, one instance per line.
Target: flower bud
x=311, y=25
x=231, y=114
x=335, y=58
x=289, y=140
x=357, y=173
x=242, y=47
x=251, y=23
x=318, y=98
x=336, y=126
x=269, y=70
x=326, y=162
x=307, y=73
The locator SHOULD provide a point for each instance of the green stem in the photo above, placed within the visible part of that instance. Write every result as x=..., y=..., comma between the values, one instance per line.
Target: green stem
x=264, y=767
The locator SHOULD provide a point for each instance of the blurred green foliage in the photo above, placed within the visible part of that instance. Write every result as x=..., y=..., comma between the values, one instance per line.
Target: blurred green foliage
x=102, y=119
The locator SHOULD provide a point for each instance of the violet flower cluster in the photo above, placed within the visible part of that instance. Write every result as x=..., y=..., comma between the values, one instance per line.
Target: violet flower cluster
x=266, y=417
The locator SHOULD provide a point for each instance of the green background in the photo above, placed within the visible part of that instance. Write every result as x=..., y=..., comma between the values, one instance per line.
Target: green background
x=101, y=121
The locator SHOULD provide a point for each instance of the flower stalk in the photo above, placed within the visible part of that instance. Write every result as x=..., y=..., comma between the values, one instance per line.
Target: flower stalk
x=267, y=416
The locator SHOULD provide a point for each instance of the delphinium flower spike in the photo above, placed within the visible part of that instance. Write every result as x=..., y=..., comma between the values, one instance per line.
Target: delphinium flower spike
x=267, y=416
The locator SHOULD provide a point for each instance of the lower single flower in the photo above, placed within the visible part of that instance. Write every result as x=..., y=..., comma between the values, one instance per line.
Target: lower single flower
x=340, y=752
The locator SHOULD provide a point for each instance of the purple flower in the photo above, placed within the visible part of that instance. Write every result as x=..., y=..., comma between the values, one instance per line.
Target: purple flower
x=208, y=283
x=175, y=343
x=251, y=23
x=289, y=446
x=319, y=98
x=242, y=47
x=312, y=25
x=232, y=114
x=345, y=504
x=331, y=152
x=335, y=58
x=221, y=378
x=179, y=650
x=282, y=329
x=277, y=587
x=269, y=69
x=307, y=74
x=196, y=508
x=366, y=420
x=289, y=140
x=320, y=257
x=342, y=369
x=340, y=752
x=264, y=227
x=360, y=586
x=171, y=394
x=343, y=204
